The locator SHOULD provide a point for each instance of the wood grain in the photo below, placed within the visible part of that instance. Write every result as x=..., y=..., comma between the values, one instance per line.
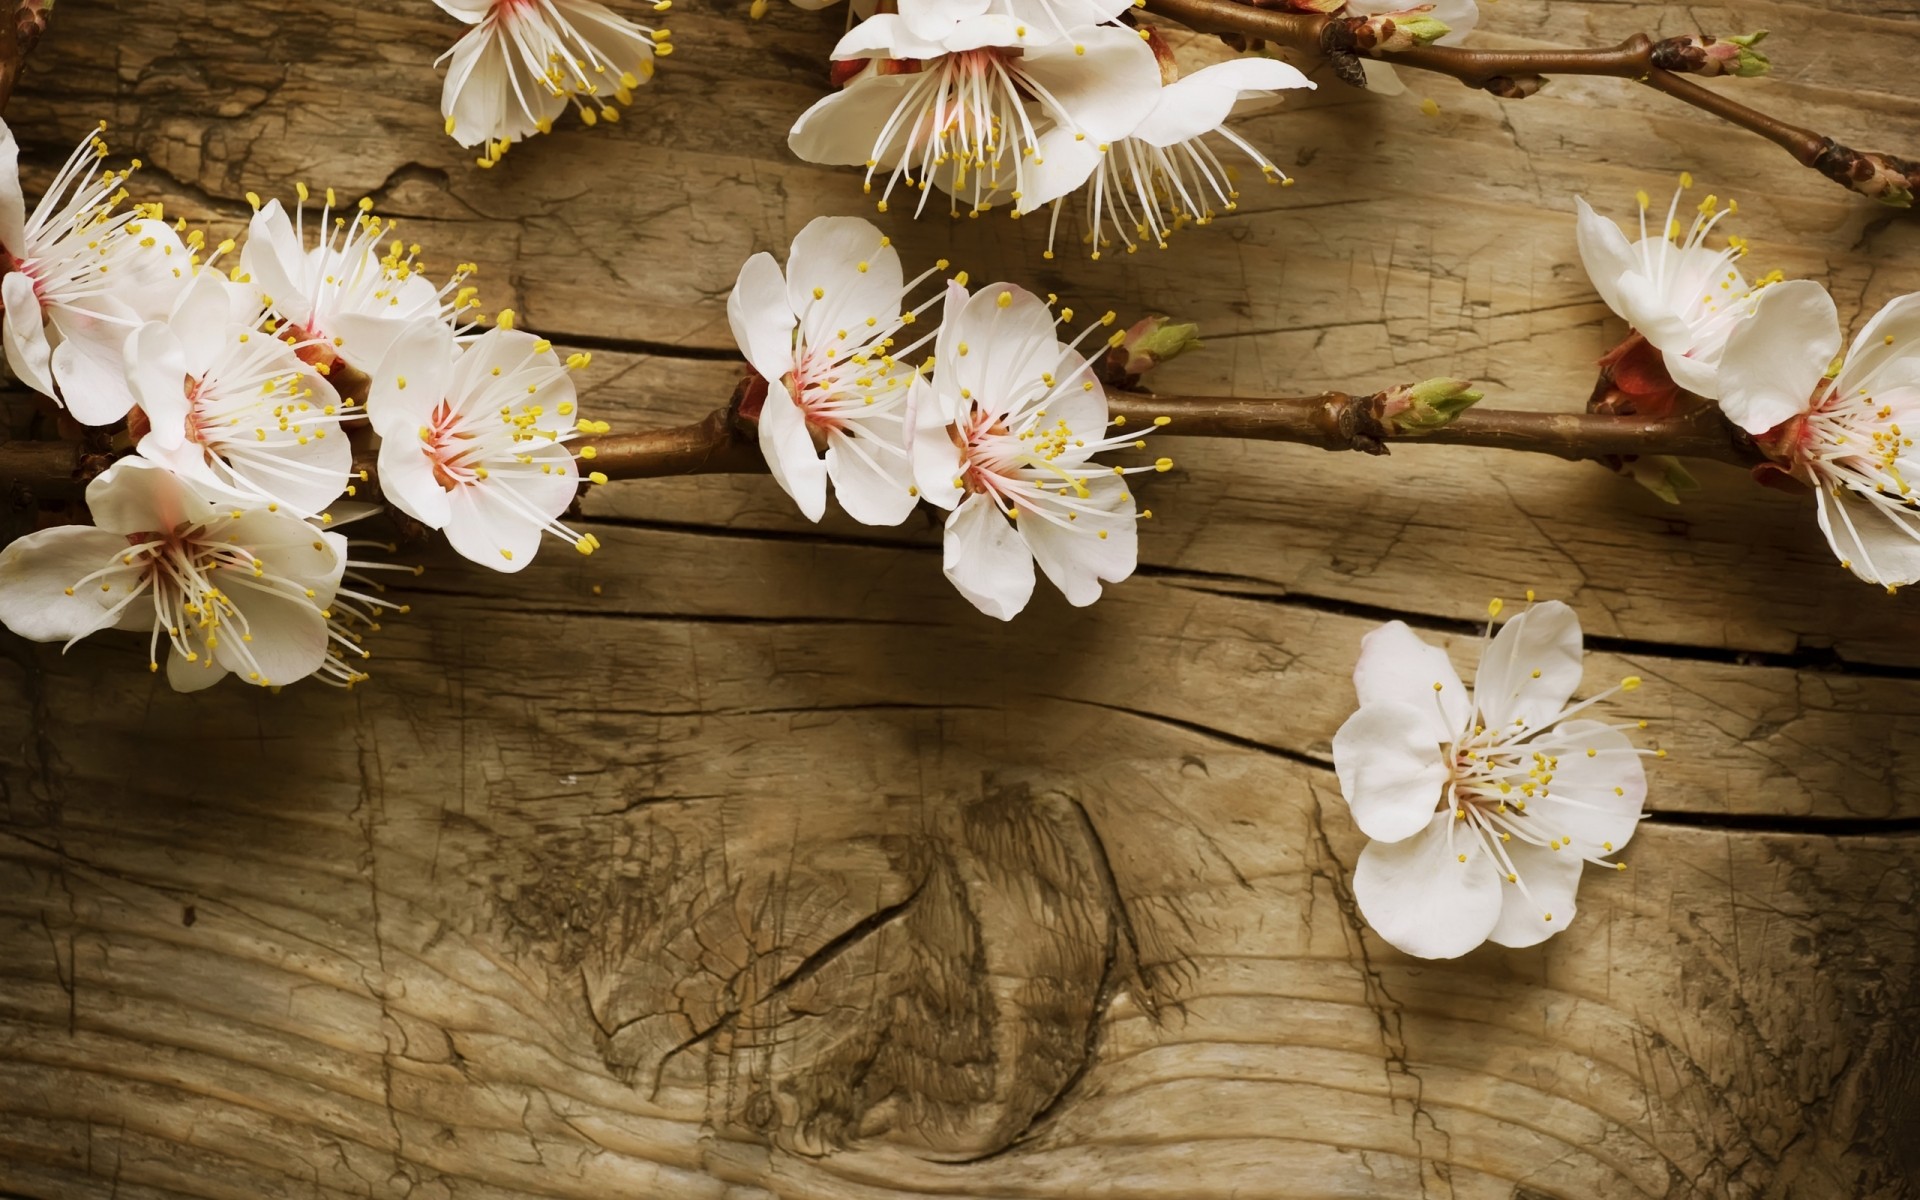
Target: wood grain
x=744, y=860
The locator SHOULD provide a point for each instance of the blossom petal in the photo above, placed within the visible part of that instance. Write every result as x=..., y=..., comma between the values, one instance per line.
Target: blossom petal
x=1105, y=91
x=1531, y=668
x=1875, y=537
x=292, y=548
x=890, y=35
x=986, y=558
x=761, y=317
x=1886, y=353
x=490, y=527
x=842, y=129
x=932, y=19
x=37, y=570
x=1197, y=103
x=872, y=478
x=156, y=365
x=1062, y=162
x=13, y=204
x=137, y=496
x=790, y=453
x=470, y=11
x=276, y=261
x=28, y=352
x=1419, y=896
x=1392, y=771
x=1605, y=252
x=407, y=481
x=936, y=459
x=194, y=676
x=1596, y=799
x=1396, y=666
x=1382, y=79
x=289, y=638
x=410, y=380
x=1775, y=358
x=90, y=368
x=1000, y=351
x=1531, y=915
x=841, y=272
x=1074, y=554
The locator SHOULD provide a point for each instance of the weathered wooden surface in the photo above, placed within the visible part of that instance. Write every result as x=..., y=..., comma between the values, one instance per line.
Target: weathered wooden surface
x=745, y=860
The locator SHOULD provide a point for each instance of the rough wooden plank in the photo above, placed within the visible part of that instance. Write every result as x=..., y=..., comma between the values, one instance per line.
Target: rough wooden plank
x=744, y=860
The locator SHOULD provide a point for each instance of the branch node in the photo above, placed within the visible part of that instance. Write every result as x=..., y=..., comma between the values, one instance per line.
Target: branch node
x=1515, y=87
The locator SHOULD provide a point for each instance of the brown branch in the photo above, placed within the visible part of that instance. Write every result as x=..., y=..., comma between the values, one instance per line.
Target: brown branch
x=1516, y=74
x=721, y=444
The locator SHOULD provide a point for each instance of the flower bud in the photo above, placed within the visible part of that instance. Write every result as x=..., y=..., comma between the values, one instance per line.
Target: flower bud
x=1699, y=54
x=1397, y=31
x=1881, y=177
x=1151, y=341
x=1427, y=406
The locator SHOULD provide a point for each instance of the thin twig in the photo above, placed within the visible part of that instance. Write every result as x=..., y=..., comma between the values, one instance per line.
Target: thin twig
x=1516, y=74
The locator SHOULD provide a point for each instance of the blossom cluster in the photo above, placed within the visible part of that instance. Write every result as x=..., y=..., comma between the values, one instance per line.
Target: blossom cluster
x=999, y=425
x=245, y=377
x=1769, y=353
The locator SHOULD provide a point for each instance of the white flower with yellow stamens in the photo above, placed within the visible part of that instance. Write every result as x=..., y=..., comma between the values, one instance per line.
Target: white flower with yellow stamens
x=1005, y=435
x=965, y=111
x=80, y=275
x=344, y=298
x=234, y=408
x=1163, y=175
x=473, y=441
x=229, y=590
x=1845, y=430
x=823, y=336
x=525, y=61
x=1680, y=294
x=1483, y=806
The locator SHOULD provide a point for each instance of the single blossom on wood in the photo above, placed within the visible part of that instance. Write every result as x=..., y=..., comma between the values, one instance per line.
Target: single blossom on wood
x=1483, y=806
x=825, y=337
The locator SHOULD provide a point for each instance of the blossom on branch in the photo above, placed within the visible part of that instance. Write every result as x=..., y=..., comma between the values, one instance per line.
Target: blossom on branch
x=824, y=337
x=1162, y=175
x=81, y=274
x=473, y=440
x=1005, y=436
x=1681, y=295
x=965, y=111
x=525, y=61
x=1483, y=806
x=1847, y=430
x=343, y=298
x=229, y=405
x=227, y=590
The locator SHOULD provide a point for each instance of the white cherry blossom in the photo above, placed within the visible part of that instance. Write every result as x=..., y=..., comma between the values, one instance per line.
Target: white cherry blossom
x=823, y=336
x=1483, y=806
x=965, y=112
x=344, y=297
x=525, y=61
x=1680, y=294
x=1163, y=175
x=228, y=590
x=473, y=441
x=81, y=274
x=1848, y=431
x=1005, y=436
